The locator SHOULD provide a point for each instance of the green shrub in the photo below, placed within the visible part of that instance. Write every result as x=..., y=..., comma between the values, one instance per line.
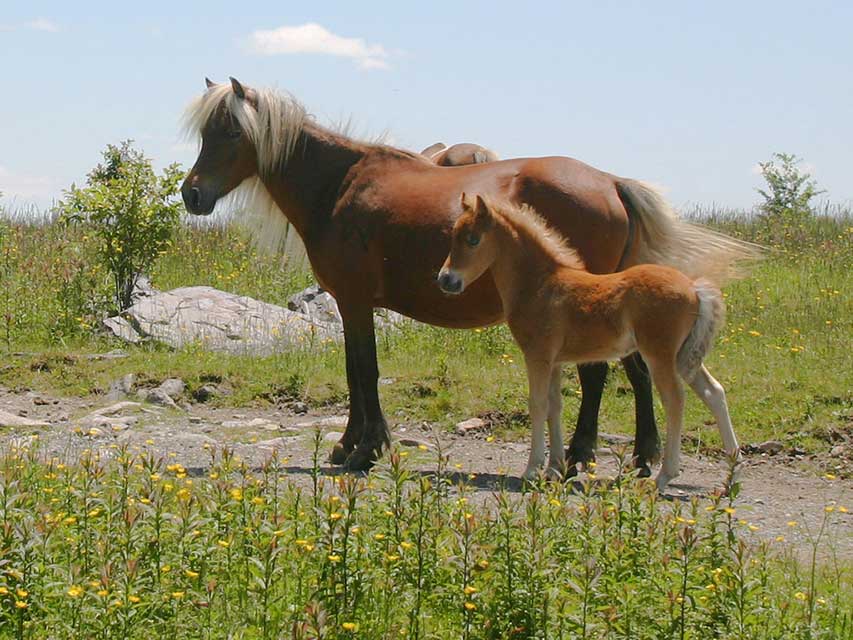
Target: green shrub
x=132, y=212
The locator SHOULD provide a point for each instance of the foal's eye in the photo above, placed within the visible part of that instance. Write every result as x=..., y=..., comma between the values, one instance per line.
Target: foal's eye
x=234, y=134
x=472, y=240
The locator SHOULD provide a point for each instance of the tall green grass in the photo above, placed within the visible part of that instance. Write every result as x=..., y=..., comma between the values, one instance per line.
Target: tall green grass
x=135, y=546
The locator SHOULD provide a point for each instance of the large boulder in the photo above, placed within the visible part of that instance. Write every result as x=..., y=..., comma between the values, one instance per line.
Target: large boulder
x=218, y=321
x=221, y=321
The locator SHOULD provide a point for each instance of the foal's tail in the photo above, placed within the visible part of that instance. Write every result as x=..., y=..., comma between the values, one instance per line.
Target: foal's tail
x=661, y=237
x=712, y=313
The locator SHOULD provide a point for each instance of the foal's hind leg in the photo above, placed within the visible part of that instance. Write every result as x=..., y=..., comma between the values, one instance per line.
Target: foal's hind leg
x=713, y=395
x=646, y=440
x=671, y=393
x=556, y=458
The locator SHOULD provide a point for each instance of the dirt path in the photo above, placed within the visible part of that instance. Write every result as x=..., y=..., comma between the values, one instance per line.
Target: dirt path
x=775, y=491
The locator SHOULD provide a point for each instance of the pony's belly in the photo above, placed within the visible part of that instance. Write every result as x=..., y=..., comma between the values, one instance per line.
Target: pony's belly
x=581, y=351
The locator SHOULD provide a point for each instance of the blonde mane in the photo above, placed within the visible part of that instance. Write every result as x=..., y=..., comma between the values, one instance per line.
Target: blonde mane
x=273, y=127
x=526, y=222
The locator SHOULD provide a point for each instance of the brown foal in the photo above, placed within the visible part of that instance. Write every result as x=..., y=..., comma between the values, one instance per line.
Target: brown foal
x=559, y=312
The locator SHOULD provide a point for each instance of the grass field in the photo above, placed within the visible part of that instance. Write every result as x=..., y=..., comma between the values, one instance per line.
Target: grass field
x=133, y=547
x=783, y=358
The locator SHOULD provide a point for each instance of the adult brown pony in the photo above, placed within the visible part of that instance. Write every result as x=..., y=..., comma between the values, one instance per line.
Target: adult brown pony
x=376, y=221
x=457, y=155
x=559, y=312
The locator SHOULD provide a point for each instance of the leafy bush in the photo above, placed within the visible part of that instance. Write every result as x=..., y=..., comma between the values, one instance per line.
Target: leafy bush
x=131, y=211
x=790, y=190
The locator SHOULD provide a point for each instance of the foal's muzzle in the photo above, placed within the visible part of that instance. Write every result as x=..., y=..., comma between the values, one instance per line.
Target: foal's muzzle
x=449, y=282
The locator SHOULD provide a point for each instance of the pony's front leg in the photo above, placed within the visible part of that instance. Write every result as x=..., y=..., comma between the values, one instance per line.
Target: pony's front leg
x=360, y=338
x=556, y=458
x=538, y=380
x=355, y=423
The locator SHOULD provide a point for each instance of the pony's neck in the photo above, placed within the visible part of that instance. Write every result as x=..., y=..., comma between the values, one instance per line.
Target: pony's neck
x=521, y=262
x=306, y=188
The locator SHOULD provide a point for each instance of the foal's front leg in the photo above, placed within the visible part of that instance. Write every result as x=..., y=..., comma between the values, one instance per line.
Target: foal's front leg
x=538, y=381
x=556, y=458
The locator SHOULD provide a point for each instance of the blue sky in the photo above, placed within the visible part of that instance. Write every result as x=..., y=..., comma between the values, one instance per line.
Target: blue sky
x=688, y=95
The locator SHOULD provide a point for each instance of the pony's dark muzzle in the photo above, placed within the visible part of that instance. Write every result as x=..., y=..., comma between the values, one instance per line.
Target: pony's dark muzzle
x=194, y=200
x=449, y=282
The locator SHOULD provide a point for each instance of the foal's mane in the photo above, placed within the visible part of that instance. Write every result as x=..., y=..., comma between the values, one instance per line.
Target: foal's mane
x=274, y=126
x=526, y=222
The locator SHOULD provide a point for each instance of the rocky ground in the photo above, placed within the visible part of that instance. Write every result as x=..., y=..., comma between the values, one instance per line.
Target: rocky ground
x=777, y=489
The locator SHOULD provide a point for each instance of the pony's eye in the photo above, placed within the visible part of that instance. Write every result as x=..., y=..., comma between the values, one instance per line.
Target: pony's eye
x=472, y=240
x=234, y=134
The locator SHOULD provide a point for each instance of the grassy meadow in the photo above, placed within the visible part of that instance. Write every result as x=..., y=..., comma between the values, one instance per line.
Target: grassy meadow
x=135, y=546
x=783, y=356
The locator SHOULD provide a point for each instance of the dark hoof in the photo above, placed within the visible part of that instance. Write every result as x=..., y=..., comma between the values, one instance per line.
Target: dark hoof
x=575, y=457
x=644, y=471
x=339, y=454
x=359, y=460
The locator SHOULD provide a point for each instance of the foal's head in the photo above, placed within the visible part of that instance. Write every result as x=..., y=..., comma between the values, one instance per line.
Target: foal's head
x=472, y=247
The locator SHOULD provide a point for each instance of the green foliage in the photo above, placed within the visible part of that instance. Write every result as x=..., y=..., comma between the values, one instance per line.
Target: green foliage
x=790, y=190
x=129, y=546
x=132, y=211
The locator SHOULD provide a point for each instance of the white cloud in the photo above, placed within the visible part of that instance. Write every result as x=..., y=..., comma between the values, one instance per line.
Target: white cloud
x=43, y=24
x=314, y=38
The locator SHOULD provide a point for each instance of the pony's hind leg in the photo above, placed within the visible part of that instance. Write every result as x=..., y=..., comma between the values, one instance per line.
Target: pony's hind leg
x=538, y=380
x=646, y=440
x=556, y=458
x=713, y=395
x=671, y=392
x=582, y=446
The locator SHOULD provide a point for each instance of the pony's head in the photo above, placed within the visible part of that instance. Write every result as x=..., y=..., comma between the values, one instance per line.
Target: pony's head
x=472, y=246
x=244, y=132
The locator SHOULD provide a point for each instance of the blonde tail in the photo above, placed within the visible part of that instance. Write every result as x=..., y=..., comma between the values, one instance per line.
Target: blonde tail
x=663, y=238
x=712, y=312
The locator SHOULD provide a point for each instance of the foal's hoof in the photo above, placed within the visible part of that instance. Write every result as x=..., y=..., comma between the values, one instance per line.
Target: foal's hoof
x=339, y=454
x=360, y=460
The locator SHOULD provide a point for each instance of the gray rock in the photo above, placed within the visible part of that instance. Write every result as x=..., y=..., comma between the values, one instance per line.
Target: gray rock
x=194, y=419
x=837, y=451
x=253, y=423
x=615, y=438
x=329, y=421
x=218, y=321
x=299, y=408
x=121, y=388
x=10, y=420
x=206, y=392
x=414, y=442
x=118, y=407
x=332, y=436
x=172, y=387
x=471, y=425
x=160, y=398
x=770, y=447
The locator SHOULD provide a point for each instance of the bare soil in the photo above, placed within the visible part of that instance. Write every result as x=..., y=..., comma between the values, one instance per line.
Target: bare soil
x=775, y=490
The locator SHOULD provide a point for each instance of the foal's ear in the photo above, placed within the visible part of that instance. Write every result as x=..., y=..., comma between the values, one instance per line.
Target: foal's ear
x=210, y=83
x=481, y=211
x=239, y=91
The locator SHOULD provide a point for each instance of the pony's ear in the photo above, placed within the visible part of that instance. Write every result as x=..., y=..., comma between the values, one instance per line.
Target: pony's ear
x=239, y=91
x=210, y=83
x=482, y=212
